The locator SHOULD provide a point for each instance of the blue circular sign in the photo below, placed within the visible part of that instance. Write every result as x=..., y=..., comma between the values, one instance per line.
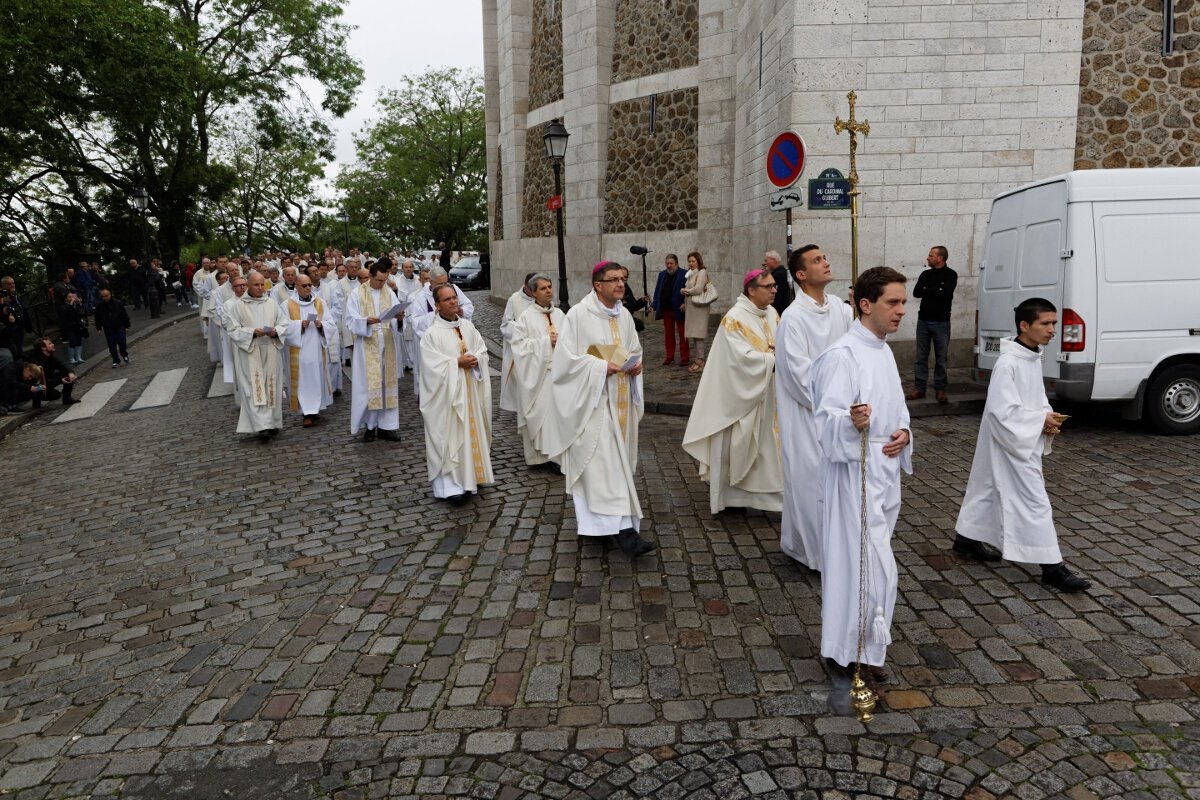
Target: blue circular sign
x=785, y=159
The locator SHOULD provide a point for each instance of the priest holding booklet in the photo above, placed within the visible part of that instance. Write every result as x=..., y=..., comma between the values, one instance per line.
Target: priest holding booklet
x=596, y=392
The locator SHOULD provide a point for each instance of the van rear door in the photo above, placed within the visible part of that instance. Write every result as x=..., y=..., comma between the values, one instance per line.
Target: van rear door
x=1027, y=235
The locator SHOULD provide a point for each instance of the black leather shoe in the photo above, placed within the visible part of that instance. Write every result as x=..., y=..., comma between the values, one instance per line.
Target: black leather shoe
x=69, y=401
x=980, y=551
x=389, y=436
x=457, y=500
x=369, y=435
x=632, y=544
x=1061, y=578
x=264, y=436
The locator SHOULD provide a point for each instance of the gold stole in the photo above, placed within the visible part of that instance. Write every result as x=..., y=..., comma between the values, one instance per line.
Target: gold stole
x=294, y=353
x=383, y=389
x=762, y=345
x=622, y=381
x=476, y=453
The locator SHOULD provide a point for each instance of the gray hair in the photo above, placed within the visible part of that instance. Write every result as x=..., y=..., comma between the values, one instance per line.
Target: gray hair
x=436, y=272
x=773, y=254
x=425, y=268
x=407, y=261
x=532, y=283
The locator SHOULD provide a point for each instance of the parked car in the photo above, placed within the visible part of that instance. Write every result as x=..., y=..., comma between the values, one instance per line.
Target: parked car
x=470, y=274
x=1116, y=251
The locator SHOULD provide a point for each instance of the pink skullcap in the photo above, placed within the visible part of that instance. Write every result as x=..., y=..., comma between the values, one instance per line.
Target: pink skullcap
x=753, y=275
x=600, y=266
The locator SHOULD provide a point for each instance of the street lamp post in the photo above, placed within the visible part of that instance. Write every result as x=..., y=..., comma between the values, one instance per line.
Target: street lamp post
x=345, y=218
x=141, y=201
x=555, y=139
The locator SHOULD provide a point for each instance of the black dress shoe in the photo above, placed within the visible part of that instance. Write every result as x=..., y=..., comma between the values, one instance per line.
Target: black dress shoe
x=69, y=401
x=457, y=500
x=1061, y=578
x=389, y=436
x=369, y=435
x=632, y=544
x=980, y=551
x=264, y=436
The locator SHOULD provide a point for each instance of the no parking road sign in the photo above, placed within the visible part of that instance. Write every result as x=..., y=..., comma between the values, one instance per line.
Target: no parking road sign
x=785, y=159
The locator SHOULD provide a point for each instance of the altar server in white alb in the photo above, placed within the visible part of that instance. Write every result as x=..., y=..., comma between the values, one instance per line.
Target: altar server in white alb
x=200, y=294
x=374, y=381
x=597, y=407
x=1006, y=505
x=733, y=431
x=222, y=297
x=257, y=326
x=310, y=331
x=814, y=320
x=456, y=402
x=520, y=300
x=534, y=337
x=856, y=390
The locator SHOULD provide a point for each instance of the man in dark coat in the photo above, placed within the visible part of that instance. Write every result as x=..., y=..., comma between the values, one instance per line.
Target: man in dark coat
x=113, y=319
x=58, y=380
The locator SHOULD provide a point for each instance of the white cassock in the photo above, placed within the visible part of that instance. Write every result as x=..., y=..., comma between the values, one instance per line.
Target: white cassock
x=517, y=303
x=258, y=362
x=281, y=294
x=374, y=391
x=309, y=390
x=214, y=320
x=733, y=431
x=1006, y=503
x=330, y=293
x=346, y=286
x=529, y=385
x=406, y=290
x=806, y=329
x=422, y=309
x=858, y=368
x=593, y=432
x=221, y=299
x=200, y=290
x=456, y=405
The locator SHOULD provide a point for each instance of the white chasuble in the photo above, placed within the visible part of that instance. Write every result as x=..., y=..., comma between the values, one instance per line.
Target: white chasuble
x=258, y=362
x=309, y=389
x=733, y=431
x=517, y=303
x=806, y=329
x=592, y=431
x=858, y=368
x=375, y=391
x=1006, y=503
x=456, y=405
x=529, y=386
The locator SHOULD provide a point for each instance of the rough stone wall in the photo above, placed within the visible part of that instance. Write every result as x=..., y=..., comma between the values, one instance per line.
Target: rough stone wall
x=1138, y=108
x=546, y=54
x=651, y=182
x=536, y=219
x=655, y=36
x=498, y=214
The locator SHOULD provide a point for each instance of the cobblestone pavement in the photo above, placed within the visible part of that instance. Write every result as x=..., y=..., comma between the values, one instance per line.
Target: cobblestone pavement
x=185, y=613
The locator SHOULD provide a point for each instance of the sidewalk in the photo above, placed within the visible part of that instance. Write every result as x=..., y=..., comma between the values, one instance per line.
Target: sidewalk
x=671, y=389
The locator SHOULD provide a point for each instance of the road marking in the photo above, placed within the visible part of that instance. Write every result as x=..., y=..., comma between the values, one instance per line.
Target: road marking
x=218, y=387
x=161, y=390
x=91, y=402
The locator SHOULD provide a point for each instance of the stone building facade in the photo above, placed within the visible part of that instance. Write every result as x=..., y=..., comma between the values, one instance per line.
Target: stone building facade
x=672, y=104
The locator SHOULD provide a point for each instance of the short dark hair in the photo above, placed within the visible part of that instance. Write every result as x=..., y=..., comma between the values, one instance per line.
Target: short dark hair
x=871, y=284
x=382, y=265
x=943, y=252
x=1029, y=310
x=796, y=262
x=671, y=256
x=528, y=277
x=602, y=273
x=438, y=291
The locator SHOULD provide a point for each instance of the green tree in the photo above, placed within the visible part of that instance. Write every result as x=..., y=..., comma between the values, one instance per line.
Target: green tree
x=420, y=172
x=107, y=96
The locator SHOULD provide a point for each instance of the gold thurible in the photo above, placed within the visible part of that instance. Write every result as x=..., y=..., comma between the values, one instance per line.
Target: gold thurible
x=862, y=697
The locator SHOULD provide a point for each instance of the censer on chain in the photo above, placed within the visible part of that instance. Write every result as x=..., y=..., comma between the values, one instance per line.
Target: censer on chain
x=862, y=697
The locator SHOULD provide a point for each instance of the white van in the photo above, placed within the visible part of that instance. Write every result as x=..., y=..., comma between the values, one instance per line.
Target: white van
x=1118, y=252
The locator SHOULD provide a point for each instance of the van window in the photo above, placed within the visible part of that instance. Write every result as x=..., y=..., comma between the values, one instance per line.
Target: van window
x=1001, y=260
x=1169, y=242
x=1042, y=254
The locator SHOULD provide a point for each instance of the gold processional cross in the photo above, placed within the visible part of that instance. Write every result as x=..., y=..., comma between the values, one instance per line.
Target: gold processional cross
x=854, y=128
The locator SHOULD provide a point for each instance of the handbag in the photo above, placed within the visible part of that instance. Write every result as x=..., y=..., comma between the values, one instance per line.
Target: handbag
x=707, y=296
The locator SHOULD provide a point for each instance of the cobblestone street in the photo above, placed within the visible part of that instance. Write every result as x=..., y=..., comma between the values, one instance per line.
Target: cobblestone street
x=186, y=613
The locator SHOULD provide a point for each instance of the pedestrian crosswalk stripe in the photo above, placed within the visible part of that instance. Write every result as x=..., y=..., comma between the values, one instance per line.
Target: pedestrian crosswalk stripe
x=218, y=387
x=161, y=390
x=91, y=402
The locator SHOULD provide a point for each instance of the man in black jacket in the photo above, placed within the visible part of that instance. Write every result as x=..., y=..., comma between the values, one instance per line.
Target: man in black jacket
x=139, y=284
x=113, y=319
x=935, y=287
x=20, y=324
x=58, y=380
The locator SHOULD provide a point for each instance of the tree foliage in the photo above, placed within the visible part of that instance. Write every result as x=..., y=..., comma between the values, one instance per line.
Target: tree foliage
x=106, y=96
x=420, y=172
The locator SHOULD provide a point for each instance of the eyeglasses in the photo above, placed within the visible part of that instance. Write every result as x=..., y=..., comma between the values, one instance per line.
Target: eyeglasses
x=614, y=280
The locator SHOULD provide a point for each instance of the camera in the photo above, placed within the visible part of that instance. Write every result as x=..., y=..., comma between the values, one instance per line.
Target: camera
x=638, y=250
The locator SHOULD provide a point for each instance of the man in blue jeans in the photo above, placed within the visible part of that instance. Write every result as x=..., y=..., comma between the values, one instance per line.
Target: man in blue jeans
x=935, y=287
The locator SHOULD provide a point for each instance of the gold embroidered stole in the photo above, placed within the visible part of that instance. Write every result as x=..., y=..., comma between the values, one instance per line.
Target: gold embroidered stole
x=383, y=390
x=622, y=381
x=294, y=353
x=263, y=383
x=476, y=452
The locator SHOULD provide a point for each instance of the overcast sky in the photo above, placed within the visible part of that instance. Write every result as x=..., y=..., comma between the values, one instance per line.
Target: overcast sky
x=395, y=38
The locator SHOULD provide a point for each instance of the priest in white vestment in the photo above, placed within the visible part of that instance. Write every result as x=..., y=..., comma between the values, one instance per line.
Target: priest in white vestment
x=217, y=277
x=733, y=431
x=310, y=330
x=408, y=285
x=375, y=387
x=597, y=406
x=1006, y=505
x=456, y=403
x=421, y=308
x=237, y=287
x=857, y=393
x=286, y=289
x=534, y=337
x=257, y=326
x=814, y=320
x=221, y=299
x=514, y=308
x=200, y=294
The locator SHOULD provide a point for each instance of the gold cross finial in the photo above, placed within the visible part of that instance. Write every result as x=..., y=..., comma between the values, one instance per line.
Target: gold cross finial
x=853, y=127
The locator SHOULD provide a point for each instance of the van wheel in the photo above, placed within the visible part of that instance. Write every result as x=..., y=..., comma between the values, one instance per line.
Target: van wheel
x=1173, y=401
